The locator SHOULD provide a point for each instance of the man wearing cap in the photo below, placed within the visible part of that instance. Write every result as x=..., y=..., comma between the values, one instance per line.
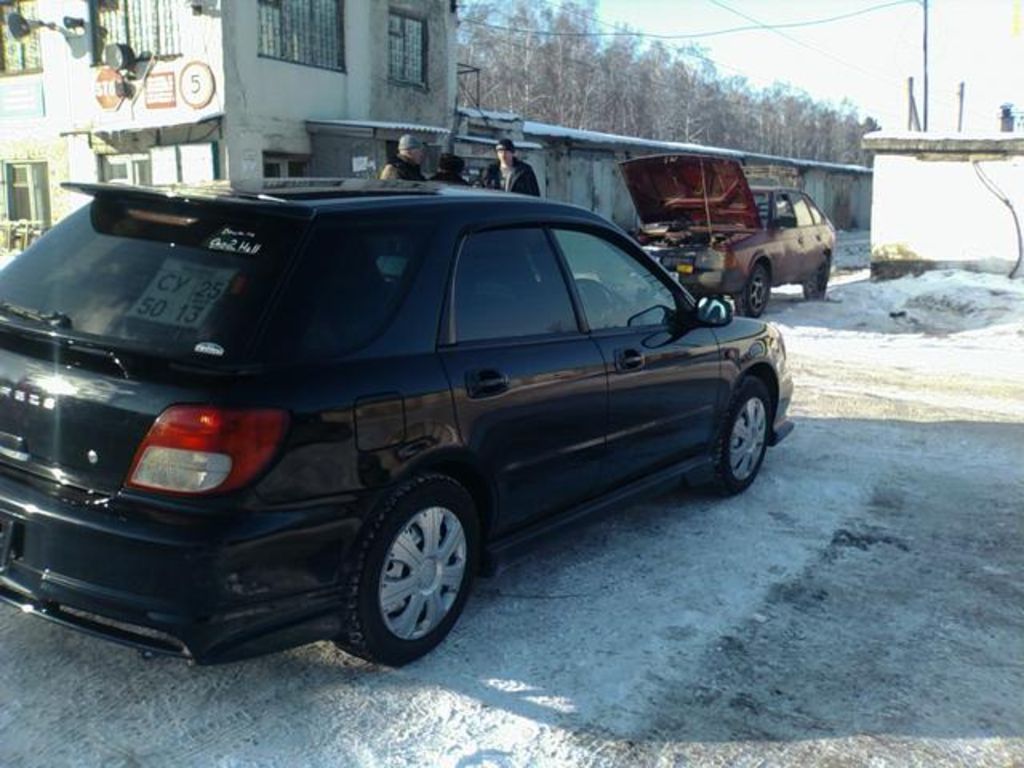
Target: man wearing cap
x=407, y=163
x=510, y=173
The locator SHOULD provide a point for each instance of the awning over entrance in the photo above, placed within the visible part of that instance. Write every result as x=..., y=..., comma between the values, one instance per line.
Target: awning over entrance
x=135, y=137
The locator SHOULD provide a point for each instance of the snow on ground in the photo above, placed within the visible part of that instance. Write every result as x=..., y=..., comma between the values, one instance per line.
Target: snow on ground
x=948, y=325
x=937, y=303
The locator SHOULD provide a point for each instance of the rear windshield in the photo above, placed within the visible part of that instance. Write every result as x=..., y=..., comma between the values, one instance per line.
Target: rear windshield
x=176, y=278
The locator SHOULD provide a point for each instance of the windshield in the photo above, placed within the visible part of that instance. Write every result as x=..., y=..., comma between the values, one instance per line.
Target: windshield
x=176, y=278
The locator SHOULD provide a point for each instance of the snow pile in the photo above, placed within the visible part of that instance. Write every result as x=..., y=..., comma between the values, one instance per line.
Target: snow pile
x=933, y=304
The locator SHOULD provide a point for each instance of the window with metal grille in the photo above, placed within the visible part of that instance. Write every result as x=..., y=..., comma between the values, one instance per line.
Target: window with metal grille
x=407, y=49
x=148, y=26
x=310, y=32
x=19, y=56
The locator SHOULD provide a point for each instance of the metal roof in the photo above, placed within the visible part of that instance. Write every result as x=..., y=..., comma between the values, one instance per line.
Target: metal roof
x=547, y=130
x=489, y=114
x=381, y=125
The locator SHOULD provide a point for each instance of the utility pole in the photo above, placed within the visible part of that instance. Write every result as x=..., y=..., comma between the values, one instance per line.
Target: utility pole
x=925, y=84
x=960, y=108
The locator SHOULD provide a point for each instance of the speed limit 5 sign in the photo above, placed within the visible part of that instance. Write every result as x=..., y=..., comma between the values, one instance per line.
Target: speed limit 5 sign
x=196, y=84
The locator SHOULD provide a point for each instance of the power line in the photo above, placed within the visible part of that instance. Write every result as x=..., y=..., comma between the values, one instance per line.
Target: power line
x=582, y=14
x=801, y=43
x=619, y=32
x=684, y=51
x=629, y=78
x=797, y=41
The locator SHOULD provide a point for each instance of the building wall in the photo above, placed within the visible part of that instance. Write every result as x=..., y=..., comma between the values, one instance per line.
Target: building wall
x=268, y=100
x=34, y=134
x=844, y=197
x=258, y=106
x=938, y=213
x=932, y=209
x=433, y=104
x=588, y=175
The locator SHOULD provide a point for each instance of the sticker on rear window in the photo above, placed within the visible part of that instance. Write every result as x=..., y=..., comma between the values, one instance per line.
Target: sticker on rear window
x=182, y=294
x=234, y=241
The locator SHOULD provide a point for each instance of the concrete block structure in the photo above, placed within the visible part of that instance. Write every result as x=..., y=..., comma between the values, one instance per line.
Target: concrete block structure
x=946, y=201
x=167, y=91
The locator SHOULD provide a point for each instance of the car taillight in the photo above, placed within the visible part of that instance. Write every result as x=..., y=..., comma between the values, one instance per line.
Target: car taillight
x=193, y=449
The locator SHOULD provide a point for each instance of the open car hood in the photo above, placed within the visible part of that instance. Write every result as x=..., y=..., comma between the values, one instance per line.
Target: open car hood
x=691, y=191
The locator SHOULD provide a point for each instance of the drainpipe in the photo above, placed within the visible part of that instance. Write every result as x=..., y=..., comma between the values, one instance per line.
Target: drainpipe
x=991, y=187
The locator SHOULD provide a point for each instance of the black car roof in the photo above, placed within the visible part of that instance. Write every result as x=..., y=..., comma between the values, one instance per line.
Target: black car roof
x=308, y=192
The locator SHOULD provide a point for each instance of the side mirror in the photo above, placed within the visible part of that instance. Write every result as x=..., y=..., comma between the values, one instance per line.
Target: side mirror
x=714, y=311
x=785, y=221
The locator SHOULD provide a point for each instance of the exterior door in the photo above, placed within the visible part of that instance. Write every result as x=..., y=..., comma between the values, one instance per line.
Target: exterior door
x=786, y=267
x=529, y=386
x=662, y=388
x=808, y=249
x=817, y=233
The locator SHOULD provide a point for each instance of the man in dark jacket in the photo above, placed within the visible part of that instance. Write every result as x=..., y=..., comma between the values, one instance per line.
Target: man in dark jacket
x=407, y=164
x=449, y=169
x=510, y=173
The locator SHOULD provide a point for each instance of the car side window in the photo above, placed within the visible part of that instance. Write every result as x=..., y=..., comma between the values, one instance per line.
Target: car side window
x=352, y=278
x=784, y=209
x=816, y=215
x=616, y=290
x=761, y=201
x=507, y=285
x=803, y=213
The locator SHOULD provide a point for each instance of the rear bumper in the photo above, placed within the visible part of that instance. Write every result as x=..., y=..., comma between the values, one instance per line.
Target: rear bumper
x=178, y=581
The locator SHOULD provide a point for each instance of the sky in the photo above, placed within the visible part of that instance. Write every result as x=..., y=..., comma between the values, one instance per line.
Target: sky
x=865, y=58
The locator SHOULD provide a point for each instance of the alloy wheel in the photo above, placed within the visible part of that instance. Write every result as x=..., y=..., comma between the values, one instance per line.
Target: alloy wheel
x=757, y=292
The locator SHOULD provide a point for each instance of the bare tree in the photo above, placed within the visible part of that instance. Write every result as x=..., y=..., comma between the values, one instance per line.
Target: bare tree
x=549, y=63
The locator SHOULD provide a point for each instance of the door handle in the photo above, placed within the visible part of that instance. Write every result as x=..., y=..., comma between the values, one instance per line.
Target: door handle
x=628, y=360
x=486, y=382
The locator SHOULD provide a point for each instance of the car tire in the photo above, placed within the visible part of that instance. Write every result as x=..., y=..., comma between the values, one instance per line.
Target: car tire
x=413, y=572
x=752, y=300
x=817, y=284
x=743, y=437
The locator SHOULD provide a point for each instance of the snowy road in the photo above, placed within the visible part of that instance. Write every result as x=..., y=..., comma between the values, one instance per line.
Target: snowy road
x=861, y=602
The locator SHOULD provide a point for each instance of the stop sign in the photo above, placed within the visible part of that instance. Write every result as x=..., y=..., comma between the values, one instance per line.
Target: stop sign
x=110, y=88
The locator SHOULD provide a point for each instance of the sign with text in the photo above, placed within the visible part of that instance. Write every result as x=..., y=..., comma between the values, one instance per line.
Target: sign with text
x=160, y=91
x=110, y=88
x=21, y=99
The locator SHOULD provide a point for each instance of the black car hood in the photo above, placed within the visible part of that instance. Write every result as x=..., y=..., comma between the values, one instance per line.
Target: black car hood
x=692, y=191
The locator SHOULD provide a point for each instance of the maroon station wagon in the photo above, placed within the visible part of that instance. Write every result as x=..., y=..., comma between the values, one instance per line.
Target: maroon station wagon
x=704, y=222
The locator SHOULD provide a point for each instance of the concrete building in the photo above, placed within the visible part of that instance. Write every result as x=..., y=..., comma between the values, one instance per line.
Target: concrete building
x=166, y=91
x=163, y=91
x=946, y=201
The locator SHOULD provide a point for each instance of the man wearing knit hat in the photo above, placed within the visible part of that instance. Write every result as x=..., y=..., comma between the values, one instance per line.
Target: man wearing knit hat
x=510, y=173
x=406, y=165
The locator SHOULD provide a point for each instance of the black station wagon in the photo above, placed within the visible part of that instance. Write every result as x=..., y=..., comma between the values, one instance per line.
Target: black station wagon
x=234, y=422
